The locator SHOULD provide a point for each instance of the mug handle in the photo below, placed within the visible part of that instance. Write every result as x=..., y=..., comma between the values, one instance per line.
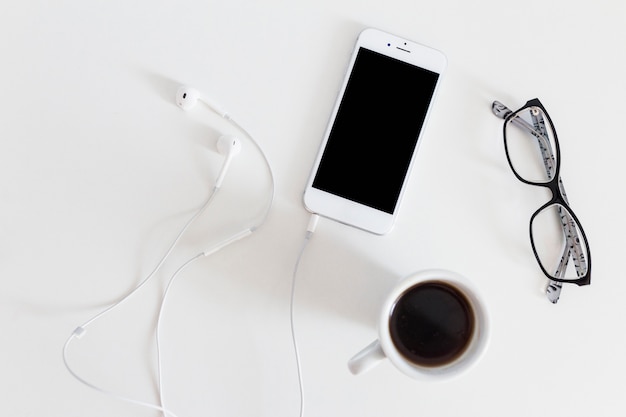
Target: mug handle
x=367, y=358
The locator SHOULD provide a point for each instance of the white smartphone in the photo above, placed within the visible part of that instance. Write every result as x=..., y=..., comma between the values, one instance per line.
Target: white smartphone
x=369, y=146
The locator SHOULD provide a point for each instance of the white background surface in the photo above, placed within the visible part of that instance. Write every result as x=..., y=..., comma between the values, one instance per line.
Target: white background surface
x=99, y=170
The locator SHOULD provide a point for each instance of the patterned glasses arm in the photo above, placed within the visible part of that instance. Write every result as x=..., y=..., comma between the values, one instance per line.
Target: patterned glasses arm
x=573, y=247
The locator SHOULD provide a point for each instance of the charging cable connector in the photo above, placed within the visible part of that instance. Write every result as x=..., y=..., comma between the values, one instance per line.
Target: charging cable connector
x=310, y=229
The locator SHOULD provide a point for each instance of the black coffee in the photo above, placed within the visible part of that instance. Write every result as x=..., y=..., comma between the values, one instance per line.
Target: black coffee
x=432, y=324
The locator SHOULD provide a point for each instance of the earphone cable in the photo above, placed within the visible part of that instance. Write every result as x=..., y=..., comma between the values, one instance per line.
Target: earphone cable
x=267, y=165
x=214, y=249
x=189, y=222
x=80, y=330
x=158, y=326
x=218, y=247
x=78, y=333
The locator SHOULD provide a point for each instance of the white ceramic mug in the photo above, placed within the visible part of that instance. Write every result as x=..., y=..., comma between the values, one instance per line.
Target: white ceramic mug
x=384, y=347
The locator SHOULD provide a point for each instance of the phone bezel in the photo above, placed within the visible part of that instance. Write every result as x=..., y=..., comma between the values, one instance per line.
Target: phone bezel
x=347, y=211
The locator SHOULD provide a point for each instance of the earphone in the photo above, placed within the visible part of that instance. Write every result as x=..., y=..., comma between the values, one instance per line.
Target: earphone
x=187, y=98
x=229, y=146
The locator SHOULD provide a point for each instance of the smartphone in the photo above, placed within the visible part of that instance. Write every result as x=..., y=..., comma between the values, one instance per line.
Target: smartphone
x=376, y=125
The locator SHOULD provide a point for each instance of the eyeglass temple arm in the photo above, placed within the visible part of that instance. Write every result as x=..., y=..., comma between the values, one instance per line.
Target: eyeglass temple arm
x=538, y=130
x=567, y=222
x=553, y=290
x=500, y=110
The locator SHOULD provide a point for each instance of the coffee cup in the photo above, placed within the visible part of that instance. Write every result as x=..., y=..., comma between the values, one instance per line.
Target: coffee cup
x=433, y=326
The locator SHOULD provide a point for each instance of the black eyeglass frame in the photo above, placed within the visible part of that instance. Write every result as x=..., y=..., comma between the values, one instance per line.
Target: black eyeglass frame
x=553, y=185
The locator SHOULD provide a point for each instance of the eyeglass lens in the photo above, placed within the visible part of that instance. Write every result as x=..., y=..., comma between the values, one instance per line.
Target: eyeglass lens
x=530, y=145
x=556, y=236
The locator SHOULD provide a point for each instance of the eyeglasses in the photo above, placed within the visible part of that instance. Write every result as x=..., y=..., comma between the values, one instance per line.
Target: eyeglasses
x=533, y=152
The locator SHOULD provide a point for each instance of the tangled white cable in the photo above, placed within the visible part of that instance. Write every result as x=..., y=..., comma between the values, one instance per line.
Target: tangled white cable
x=229, y=146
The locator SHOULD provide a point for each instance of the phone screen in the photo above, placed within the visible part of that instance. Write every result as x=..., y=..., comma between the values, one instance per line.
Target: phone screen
x=375, y=131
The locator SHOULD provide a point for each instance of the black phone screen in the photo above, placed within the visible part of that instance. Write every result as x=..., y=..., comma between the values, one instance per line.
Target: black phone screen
x=375, y=131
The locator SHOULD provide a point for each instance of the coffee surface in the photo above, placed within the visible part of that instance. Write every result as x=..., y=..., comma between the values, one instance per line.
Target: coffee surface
x=432, y=324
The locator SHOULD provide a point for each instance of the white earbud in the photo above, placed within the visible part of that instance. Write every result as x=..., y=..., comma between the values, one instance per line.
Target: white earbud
x=229, y=146
x=186, y=98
